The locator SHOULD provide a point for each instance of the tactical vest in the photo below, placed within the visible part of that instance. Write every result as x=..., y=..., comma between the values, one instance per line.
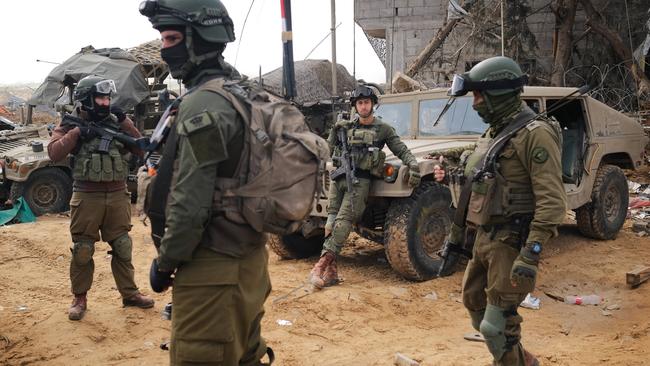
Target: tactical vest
x=94, y=166
x=365, y=150
x=493, y=198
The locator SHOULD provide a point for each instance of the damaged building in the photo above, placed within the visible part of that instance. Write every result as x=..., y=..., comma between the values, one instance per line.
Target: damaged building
x=458, y=34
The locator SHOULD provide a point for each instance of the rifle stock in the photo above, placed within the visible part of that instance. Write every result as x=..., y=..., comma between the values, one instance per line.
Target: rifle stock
x=106, y=133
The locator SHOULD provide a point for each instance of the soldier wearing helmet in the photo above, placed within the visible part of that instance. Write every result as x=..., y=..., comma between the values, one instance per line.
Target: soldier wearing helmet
x=517, y=201
x=366, y=137
x=100, y=202
x=218, y=268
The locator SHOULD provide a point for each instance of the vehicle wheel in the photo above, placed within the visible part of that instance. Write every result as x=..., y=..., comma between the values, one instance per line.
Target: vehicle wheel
x=603, y=217
x=296, y=246
x=415, y=230
x=48, y=190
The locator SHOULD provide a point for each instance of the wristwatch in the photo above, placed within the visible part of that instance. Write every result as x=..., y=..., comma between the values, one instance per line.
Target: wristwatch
x=536, y=247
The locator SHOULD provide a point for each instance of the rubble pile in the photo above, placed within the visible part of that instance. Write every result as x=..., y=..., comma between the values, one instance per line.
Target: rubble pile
x=639, y=208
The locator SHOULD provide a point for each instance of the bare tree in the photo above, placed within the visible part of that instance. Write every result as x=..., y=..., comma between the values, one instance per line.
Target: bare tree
x=565, y=13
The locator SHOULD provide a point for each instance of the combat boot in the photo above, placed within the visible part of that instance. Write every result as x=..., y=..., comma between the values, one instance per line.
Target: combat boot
x=317, y=273
x=78, y=307
x=331, y=276
x=139, y=300
x=529, y=359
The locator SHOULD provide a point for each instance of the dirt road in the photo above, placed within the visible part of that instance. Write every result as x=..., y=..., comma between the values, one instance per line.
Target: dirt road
x=364, y=321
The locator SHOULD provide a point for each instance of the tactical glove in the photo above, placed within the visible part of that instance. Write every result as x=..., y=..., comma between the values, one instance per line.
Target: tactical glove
x=119, y=113
x=85, y=133
x=160, y=281
x=414, y=175
x=524, y=268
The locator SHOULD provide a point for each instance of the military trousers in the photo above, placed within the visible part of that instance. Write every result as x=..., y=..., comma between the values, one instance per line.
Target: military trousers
x=348, y=208
x=105, y=216
x=218, y=307
x=487, y=281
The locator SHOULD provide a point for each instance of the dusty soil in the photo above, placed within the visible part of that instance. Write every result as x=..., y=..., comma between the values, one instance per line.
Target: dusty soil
x=364, y=321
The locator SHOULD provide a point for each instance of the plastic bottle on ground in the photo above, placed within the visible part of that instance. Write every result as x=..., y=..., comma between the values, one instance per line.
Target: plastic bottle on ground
x=583, y=300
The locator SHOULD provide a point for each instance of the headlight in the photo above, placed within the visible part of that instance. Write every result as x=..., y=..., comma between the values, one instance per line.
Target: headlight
x=390, y=172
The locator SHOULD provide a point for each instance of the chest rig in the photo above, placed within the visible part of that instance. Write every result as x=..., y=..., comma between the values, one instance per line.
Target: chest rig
x=494, y=198
x=100, y=159
x=365, y=150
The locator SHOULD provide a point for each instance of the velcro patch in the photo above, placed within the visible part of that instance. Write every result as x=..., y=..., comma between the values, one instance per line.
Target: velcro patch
x=205, y=138
x=540, y=155
x=197, y=122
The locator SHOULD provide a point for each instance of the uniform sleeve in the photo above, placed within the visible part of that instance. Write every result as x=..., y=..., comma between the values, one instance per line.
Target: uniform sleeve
x=397, y=146
x=541, y=156
x=62, y=142
x=128, y=126
x=331, y=140
x=202, y=147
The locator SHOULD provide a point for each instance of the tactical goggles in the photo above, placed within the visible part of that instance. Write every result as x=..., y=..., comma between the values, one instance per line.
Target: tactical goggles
x=206, y=17
x=363, y=93
x=461, y=86
x=105, y=87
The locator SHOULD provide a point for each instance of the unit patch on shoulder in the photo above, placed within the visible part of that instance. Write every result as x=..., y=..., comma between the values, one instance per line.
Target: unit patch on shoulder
x=540, y=155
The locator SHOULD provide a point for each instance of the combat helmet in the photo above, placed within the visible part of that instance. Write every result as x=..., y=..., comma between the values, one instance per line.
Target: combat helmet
x=88, y=88
x=363, y=92
x=208, y=19
x=492, y=77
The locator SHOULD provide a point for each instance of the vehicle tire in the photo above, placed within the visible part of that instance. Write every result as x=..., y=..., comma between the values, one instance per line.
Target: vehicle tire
x=48, y=190
x=603, y=217
x=415, y=230
x=296, y=246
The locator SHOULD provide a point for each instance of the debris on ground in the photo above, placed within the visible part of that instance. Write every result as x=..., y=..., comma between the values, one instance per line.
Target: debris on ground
x=531, y=302
x=401, y=360
x=474, y=337
x=637, y=276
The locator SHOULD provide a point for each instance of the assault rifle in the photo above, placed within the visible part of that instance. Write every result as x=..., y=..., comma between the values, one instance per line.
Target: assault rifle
x=105, y=133
x=346, y=162
x=451, y=252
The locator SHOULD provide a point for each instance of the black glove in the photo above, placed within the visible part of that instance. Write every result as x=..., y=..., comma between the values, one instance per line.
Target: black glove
x=524, y=269
x=119, y=113
x=86, y=133
x=160, y=281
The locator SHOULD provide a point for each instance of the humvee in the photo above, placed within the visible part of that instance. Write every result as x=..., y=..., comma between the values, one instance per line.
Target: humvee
x=598, y=142
x=25, y=168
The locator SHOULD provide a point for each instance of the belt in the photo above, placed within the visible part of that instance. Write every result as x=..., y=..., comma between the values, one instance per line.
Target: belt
x=359, y=173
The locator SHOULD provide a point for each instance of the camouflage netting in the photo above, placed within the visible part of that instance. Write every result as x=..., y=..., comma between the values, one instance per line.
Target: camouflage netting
x=313, y=81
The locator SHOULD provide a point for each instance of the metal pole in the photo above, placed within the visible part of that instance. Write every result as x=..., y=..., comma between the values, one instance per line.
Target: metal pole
x=289, y=79
x=333, y=30
x=503, y=40
x=354, y=41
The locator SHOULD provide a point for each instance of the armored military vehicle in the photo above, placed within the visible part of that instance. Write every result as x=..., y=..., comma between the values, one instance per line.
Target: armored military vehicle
x=412, y=223
x=26, y=170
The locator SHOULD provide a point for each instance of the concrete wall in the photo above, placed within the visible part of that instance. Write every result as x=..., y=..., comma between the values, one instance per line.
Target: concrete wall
x=417, y=21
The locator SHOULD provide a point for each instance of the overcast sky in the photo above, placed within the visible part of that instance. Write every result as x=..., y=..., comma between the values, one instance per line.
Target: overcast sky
x=55, y=30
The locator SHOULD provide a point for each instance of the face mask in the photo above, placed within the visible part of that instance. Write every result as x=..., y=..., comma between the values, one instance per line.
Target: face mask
x=483, y=111
x=175, y=57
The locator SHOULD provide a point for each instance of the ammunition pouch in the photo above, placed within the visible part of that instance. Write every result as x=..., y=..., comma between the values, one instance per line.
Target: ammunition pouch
x=494, y=198
x=97, y=163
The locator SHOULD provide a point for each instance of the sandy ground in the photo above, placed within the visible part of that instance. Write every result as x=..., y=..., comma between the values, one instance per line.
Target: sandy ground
x=364, y=321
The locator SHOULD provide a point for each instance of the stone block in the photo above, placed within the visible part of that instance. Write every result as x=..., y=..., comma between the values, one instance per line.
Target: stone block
x=416, y=2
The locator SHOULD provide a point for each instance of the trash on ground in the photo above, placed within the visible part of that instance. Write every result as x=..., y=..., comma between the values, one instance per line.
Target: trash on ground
x=583, y=300
x=284, y=322
x=22, y=308
x=474, y=337
x=402, y=360
x=431, y=296
x=531, y=302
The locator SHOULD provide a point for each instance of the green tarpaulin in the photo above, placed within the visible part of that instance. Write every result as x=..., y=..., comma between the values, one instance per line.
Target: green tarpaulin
x=21, y=212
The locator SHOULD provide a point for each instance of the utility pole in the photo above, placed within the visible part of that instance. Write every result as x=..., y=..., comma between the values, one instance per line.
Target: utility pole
x=288, y=74
x=333, y=30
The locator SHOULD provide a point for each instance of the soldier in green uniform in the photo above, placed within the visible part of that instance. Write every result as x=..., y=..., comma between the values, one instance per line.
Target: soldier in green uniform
x=366, y=137
x=219, y=268
x=100, y=202
x=515, y=208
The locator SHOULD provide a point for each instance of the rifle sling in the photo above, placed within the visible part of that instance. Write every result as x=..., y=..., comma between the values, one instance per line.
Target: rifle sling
x=160, y=187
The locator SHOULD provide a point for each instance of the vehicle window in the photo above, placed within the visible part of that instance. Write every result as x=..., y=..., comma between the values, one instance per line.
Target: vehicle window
x=397, y=115
x=534, y=104
x=460, y=119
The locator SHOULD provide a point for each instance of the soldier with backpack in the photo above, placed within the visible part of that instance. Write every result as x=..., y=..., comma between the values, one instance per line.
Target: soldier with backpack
x=234, y=165
x=358, y=144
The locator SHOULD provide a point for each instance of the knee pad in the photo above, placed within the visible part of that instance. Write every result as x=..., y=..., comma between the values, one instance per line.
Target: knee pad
x=493, y=327
x=122, y=247
x=477, y=318
x=82, y=252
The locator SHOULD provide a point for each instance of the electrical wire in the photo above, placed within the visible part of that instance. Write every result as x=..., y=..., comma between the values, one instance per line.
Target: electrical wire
x=241, y=34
